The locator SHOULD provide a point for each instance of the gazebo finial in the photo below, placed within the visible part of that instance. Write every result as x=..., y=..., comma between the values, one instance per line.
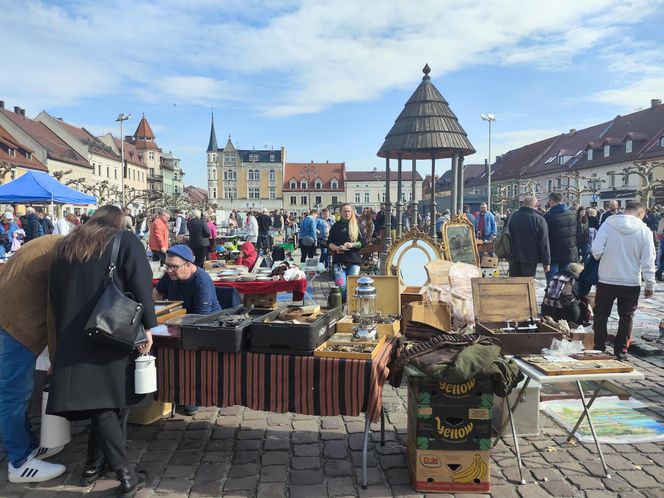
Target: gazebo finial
x=426, y=70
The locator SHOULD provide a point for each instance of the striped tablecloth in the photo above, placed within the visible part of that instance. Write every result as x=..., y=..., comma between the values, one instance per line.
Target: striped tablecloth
x=273, y=382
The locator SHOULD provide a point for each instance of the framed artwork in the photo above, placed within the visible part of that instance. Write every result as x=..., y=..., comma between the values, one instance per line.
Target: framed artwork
x=459, y=241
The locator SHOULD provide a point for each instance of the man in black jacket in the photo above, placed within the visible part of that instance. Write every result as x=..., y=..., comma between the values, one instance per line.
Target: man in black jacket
x=562, y=235
x=530, y=240
x=264, y=223
x=199, y=237
x=31, y=226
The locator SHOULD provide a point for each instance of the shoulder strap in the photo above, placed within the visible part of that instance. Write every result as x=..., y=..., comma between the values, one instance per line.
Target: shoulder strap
x=114, y=254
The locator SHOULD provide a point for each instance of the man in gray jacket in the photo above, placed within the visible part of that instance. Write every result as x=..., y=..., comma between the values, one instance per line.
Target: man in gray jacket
x=624, y=244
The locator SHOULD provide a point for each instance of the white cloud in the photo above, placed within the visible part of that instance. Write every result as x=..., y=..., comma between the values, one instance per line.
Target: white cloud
x=284, y=58
x=632, y=96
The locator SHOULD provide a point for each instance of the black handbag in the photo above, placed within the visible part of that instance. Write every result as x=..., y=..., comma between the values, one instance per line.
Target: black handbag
x=116, y=318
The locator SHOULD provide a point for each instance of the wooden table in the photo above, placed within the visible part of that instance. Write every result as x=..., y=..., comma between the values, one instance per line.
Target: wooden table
x=532, y=373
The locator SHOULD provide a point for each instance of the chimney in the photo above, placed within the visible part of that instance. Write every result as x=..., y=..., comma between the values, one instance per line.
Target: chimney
x=572, y=131
x=655, y=102
x=17, y=109
x=2, y=104
x=22, y=112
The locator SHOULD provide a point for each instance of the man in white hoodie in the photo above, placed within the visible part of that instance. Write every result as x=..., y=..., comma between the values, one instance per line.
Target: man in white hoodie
x=624, y=244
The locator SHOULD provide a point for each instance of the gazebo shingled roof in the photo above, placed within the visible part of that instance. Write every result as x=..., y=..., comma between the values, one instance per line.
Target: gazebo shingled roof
x=426, y=127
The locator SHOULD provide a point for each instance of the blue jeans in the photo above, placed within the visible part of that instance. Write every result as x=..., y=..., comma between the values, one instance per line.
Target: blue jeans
x=342, y=271
x=17, y=365
x=555, y=268
x=324, y=256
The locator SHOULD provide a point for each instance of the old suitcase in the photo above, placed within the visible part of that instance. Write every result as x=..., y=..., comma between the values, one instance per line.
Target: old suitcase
x=497, y=300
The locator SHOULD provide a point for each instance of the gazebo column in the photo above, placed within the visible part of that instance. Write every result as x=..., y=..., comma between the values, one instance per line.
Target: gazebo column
x=399, y=204
x=453, y=191
x=388, y=205
x=460, y=182
x=415, y=211
x=432, y=208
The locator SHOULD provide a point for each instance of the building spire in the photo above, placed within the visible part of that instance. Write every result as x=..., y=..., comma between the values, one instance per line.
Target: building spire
x=212, y=145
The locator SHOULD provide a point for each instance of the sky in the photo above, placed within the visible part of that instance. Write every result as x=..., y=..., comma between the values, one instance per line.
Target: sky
x=326, y=80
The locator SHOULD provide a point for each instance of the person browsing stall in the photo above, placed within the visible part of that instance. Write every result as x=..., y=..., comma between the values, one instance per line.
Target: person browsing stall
x=184, y=281
x=345, y=242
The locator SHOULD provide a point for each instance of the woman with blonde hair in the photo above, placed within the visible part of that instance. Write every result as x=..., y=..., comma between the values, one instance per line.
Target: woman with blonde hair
x=345, y=241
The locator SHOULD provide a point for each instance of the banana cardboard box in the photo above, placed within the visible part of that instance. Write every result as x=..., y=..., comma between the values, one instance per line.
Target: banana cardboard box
x=450, y=428
x=473, y=392
x=450, y=471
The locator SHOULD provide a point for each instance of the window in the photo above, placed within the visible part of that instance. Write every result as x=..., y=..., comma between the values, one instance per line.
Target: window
x=254, y=193
x=108, y=172
x=403, y=196
x=628, y=146
x=214, y=158
x=509, y=191
x=229, y=158
x=549, y=160
x=272, y=158
x=318, y=185
x=273, y=175
x=304, y=200
x=607, y=150
x=410, y=196
x=293, y=184
x=150, y=155
x=272, y=193
x=382, y=197
x=549, y=185
x=28, y=155
x=661, y=142
x=230, y=193
x=257, y=175
x=334, y=184
x=214, y=193
x=293, y=200
x=335, y=199
x=366, y=198
x=559, y=183
x=318, y=200
x=625, y=180
x=590, y=154
x=612, y=181
x=115, y=173
x=303, y=184
x=357, y=197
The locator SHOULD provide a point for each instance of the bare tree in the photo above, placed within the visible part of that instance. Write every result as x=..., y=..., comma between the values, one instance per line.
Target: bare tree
x=645, y=171
x=575, y=188
x=5, y=169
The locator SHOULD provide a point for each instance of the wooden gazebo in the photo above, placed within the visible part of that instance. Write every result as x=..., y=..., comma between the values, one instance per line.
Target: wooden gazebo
x=426, y=129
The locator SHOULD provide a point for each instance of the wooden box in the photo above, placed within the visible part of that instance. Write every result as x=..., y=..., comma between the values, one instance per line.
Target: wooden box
x=166, y=310
x=388, y=302
x=489, y=262
x=411, y=294
x=321, y=353
x=261, y=300
x=497, y=300
x=438, y=315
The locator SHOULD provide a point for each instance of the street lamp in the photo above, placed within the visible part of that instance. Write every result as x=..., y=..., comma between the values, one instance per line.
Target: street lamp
x=122, y=117
x=490, y=118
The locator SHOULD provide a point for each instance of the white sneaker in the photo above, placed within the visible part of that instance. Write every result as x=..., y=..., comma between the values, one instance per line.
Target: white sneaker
x=35, y=470
x=44, y=453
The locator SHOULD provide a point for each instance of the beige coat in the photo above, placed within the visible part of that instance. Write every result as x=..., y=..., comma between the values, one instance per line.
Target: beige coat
x=24, y=294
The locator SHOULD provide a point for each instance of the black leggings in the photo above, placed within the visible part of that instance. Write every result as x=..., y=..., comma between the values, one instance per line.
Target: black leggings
x=199, y=253
x=107, y=439
x=307, y=252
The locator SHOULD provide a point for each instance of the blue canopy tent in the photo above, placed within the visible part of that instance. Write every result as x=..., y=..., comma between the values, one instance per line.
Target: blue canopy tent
x=35, y=186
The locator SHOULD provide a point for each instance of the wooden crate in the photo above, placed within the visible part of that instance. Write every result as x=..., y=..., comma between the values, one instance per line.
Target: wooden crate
x=345, y=326
x=166, y=310
x=319, y=351
x=411, y=294
x=497, y=300
x=388, y=290
x=261, y=300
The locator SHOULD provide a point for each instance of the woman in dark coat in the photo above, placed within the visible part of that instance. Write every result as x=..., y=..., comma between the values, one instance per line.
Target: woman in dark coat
x=582, y=233
x=345, y=242
x=90, y=379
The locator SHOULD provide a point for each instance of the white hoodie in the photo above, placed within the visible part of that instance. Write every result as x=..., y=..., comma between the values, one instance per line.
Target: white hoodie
x=626, y=247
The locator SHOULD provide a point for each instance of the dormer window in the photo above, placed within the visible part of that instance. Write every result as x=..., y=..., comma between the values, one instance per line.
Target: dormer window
x=661, y=142
x=318, y=185
x=28, y=155
x=272, y=157
x=590, y=154
x=334, y=184
x=11, y=152
x=628, y=146
x=607, y=150
x=293, y=184
x=303, y=184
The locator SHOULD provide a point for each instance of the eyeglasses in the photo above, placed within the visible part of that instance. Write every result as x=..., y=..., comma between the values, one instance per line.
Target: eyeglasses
x=174, y=267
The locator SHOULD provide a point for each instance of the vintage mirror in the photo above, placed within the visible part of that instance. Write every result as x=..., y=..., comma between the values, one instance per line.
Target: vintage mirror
x=408, y=255
x=459, y=241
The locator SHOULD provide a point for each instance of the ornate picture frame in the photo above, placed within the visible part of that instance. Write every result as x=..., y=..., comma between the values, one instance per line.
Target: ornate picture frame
x=459, y=241
x=416, y=241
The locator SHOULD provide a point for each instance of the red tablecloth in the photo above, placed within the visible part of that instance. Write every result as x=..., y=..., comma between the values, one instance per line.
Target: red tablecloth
x=271, y=382
x=297, y=287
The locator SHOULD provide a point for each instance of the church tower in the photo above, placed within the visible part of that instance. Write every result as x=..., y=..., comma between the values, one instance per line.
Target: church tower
x=213, y=157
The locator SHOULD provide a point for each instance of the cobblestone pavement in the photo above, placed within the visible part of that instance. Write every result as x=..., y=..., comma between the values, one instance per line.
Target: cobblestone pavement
x=237, y=452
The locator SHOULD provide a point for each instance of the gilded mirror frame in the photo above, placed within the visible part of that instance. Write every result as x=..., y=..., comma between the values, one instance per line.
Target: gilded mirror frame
x=413, y=238
x=460, y=223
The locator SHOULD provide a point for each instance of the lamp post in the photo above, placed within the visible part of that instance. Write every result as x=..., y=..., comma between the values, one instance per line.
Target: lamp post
x=309, y=168
x=490, y=118
x=122, y=117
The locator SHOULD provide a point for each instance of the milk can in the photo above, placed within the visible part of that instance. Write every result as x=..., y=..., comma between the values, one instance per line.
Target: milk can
x=145, y=374
x=55, y=431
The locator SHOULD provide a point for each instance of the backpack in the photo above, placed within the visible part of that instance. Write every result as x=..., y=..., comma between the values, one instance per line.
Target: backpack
x=502, y=244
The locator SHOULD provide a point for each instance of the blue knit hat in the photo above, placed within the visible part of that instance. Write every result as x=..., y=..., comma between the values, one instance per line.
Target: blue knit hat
x=182, y=251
